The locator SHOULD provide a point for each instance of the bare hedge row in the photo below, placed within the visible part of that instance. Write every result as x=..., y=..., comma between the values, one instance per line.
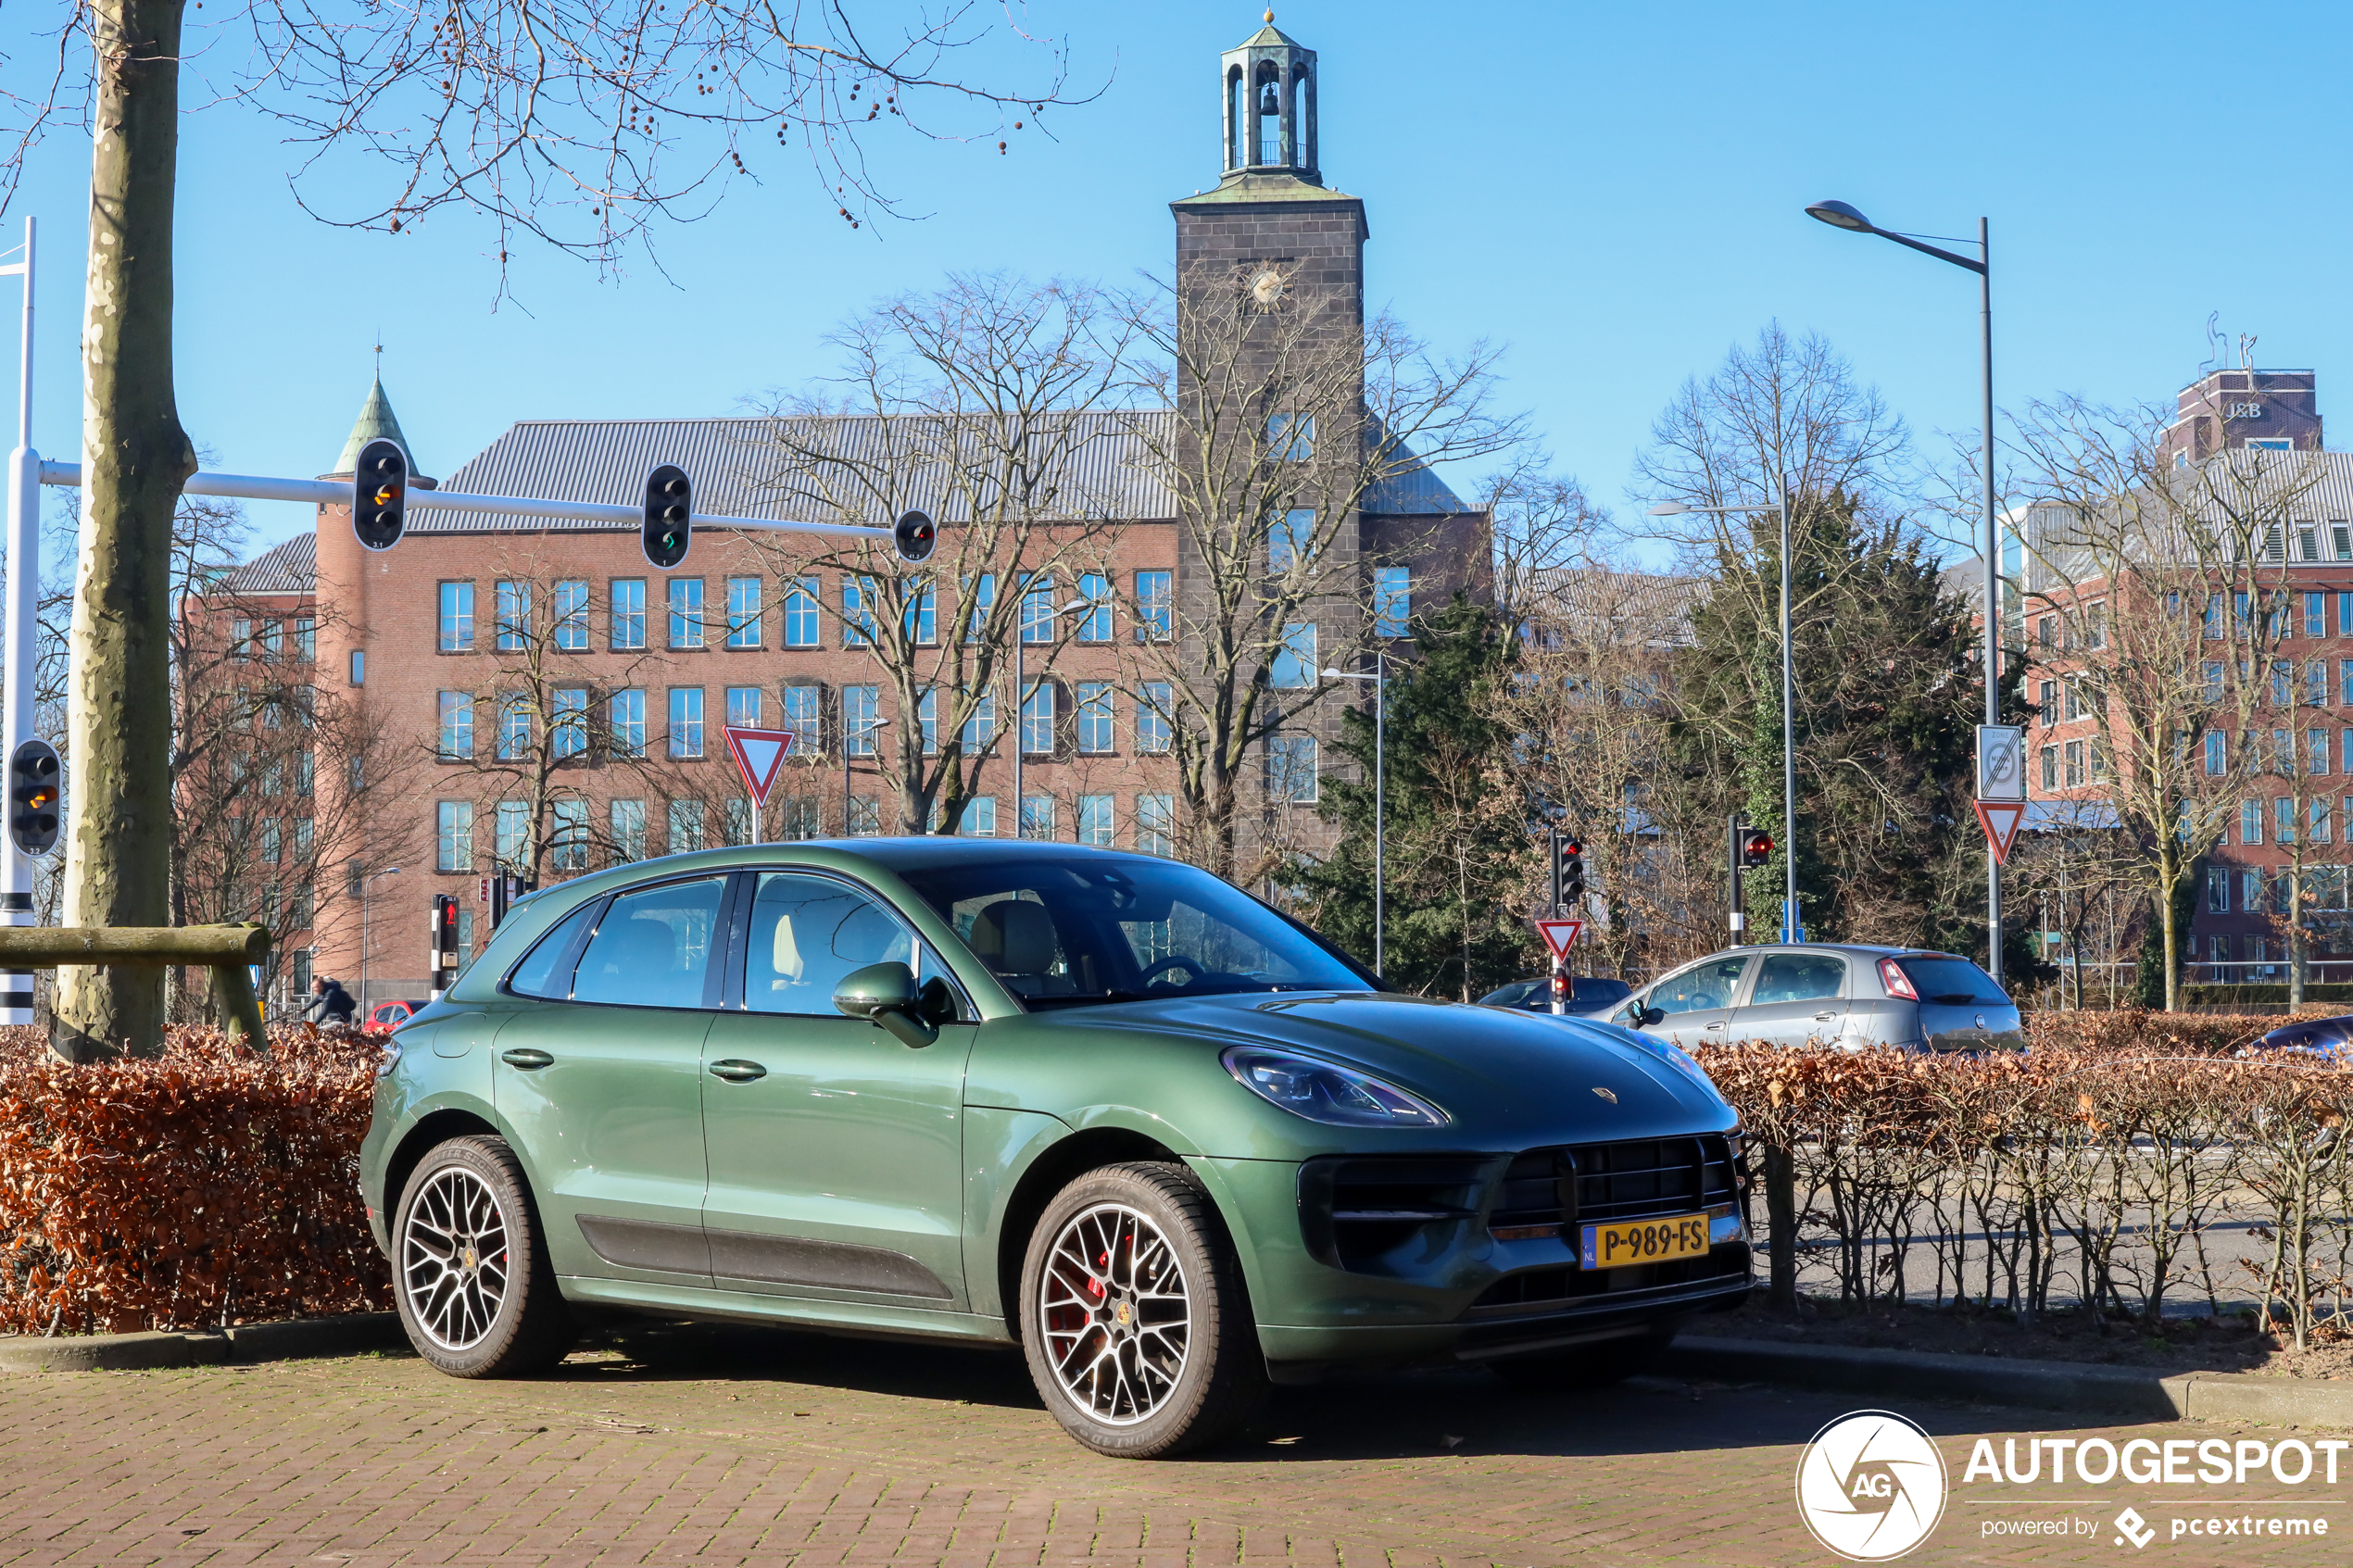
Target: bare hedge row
x=2098, y=1164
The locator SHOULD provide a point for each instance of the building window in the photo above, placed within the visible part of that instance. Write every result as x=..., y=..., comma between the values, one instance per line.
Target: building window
x=515, y=727
x=738, y=829
x=1038, y=816
x=801, y=613
x=743, y=612
x=685, y=826
x=1155, y=716
x=2282, y=819
x=743, y=708
x=514, y=616
x=1156, y=823
x=2344, y=601
x=456, y=618
x=2096, y=626
x=1155, y=607
x=570, y=610
x=1290, y=438
x=2046, y=703
x=984, y=597
x=2316, y=682
x=2316, y=751
x=1291, y=541
x=2319, y=822
x=2345, y=678
x=1095, y=820
x=2074, y=756
x=2218, y=753
x=1294, y=664
x=1393, y=600
x=306, y=638
x=629, y=722
x=858, y=595
x=273, y=638
x=1291, y=768
x=685, y=721
x=980, y=725
x=465, y=937
x=686, y=612
x=628, y=830
x=1094, y=717
x=628, y=614
x=2344, y=752
x=1038, y=608
x=858, y=714
x=920, y=618
x=2250, y=822
x=1037, y=719
x=2282, y=752
x=568, y=848
x=2050, y=767
x=514, y=834
x=568, y=726
x=1094, y=626
x=2315, y=610
x=2218, y=891
x=866, y=816
x=456, y=725
x=454, y=836
x=979, y=819
x=804, y=719
x=928, y=716
x=2047, y=631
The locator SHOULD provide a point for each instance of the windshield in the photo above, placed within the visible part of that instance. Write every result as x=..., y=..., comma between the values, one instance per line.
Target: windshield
x=1953, y=982
x=1083, y=933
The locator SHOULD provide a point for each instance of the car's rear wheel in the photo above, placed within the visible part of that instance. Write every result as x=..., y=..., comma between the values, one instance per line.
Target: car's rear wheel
x=1576, y=1367
x=471, y=1273
x=1134, y=1316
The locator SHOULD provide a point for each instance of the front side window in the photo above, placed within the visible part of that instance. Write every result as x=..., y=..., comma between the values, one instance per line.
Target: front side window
x=686, y=612
x=1155, y=607
x=685, y=721
x=514, y=616
x=1700, y=989
x=808, y=935
x=456, y=618
x=628, y=610
x=454, y=835
x=1293, y=668
x=743, y=612
x=456, y=725
x=652, y=948
x=801, y=613
x=629, y=722
x=1393, y=600
x=568, y=726
x=571, y=608
x=1094, y=717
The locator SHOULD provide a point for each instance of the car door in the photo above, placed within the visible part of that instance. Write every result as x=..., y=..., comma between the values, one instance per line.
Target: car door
x=836, y=1152
x=1795, y=997
x=1698, y=1000
x=601, y=1077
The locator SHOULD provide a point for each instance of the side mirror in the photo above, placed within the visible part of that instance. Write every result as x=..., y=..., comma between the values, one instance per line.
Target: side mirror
x=886, y=994
x=1649, y=1016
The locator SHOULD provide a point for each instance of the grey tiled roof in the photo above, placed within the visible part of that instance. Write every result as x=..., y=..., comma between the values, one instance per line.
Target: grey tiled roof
x=290, y=568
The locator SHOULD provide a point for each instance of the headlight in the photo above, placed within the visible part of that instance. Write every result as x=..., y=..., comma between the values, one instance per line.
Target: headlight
x=391, y=1048
x=1337, y=1096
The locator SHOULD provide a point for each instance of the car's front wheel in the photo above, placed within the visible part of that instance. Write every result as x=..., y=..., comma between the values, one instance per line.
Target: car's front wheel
x=1135, y=1319
x=470, y=1275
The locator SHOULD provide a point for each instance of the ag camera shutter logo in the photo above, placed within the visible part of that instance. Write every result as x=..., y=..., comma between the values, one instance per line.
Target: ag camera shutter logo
x=1870, y=1486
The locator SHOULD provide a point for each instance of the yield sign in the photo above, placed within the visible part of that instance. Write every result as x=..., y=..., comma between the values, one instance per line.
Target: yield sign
x=759, y=754
x=2000, y=820
x=1560, y=935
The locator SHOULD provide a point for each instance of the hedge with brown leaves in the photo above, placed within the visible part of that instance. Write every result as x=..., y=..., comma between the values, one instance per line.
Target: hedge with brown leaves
x=206, y=1187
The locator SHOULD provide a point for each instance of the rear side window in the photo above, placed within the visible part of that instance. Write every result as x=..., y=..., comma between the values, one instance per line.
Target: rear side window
x=1798, y=977
x=652, y=950
x=1952, y=981
x=542, y=972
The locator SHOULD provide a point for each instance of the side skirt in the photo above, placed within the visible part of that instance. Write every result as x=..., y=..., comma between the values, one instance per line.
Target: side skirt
x=798, y=1311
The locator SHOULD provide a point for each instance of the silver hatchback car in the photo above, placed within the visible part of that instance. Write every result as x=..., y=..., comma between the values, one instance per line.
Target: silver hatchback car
x=1845, y=994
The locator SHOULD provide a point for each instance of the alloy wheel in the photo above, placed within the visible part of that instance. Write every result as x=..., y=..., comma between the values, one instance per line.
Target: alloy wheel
x=453, y=1259
x=1114, y=1313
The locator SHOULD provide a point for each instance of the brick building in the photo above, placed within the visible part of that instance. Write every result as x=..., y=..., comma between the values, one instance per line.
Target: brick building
x=633, y=671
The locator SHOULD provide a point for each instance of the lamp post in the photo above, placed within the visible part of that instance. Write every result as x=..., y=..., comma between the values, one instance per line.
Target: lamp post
x=1380, y=678
x=1840, y=215
x=1021, y=697
x=872, y=725
x=365, y=882
x=1788, y=711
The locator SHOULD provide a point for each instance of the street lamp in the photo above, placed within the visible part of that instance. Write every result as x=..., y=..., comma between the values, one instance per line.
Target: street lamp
x=365, y=882
x=872, y=725
x=1380, y=678
x=1021, y=697
x=1788, y=711
x=1840, y=215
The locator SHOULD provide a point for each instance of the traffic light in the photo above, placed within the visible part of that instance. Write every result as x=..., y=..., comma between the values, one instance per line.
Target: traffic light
x=1568, y=871
x=670, y=504
x=1756, y=847
x=380, y=494
x=445, y=940
x=914, y=536
x=32, y=796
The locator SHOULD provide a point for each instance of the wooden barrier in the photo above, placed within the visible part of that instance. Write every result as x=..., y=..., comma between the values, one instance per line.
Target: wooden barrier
x=227, y=951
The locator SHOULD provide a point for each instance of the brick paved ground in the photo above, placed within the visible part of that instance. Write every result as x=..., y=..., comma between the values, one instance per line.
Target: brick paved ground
x=729, y=1446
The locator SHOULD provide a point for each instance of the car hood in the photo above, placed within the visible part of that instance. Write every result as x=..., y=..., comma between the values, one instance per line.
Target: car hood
x=1507, y=1079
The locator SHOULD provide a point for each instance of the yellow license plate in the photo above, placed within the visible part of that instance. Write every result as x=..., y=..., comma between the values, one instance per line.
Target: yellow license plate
x=1641, y=1241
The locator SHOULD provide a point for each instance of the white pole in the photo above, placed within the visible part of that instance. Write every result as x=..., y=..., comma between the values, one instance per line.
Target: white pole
x=24, y=599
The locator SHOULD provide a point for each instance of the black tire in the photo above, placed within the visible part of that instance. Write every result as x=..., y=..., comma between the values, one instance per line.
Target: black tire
x=1580, y=1367
x=470, y=1270
x=1101, y=1336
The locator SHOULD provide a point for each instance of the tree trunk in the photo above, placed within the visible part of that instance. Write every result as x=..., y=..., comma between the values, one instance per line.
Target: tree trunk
x=135, y=459
x=2297, y=952
x=1781, y=1223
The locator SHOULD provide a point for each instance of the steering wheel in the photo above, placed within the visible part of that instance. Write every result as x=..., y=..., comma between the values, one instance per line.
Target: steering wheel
x=1173, y=961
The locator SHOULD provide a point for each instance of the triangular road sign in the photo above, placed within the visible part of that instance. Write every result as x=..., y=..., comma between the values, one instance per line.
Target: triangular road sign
x=2000, y=820
x=758, y=754
x=1560, y=935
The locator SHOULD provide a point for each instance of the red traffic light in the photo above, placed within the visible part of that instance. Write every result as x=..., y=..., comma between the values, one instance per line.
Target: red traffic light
x=1756, y=847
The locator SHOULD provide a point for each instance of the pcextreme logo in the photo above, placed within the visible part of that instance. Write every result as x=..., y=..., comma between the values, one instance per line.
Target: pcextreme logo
x=1870, y=1486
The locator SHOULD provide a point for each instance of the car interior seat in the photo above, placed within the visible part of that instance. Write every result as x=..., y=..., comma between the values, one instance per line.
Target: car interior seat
x=1015, y=938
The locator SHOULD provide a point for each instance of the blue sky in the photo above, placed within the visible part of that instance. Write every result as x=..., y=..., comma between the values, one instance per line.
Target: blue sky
x=1613, y=191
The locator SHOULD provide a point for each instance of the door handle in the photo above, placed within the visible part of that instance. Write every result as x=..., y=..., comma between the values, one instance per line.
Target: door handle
x=525, y=1057
x=1824, y=1017
x=1717, y=1024
x=737, y=1071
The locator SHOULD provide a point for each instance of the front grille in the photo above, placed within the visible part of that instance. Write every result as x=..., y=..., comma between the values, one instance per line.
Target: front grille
x=1355, y=1211
x=1585, y=1184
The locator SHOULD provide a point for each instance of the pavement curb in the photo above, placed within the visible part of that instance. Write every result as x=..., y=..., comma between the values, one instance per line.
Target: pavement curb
x=2072, y=1386
x=248, y=1342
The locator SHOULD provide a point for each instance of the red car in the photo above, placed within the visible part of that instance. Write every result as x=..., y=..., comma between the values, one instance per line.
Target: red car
x=392, y=1015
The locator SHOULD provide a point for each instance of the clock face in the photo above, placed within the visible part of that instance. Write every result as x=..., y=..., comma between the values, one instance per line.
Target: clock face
x=1266, y=287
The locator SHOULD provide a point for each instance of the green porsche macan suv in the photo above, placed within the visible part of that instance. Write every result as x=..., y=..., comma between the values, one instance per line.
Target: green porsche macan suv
x=1102, y=1106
